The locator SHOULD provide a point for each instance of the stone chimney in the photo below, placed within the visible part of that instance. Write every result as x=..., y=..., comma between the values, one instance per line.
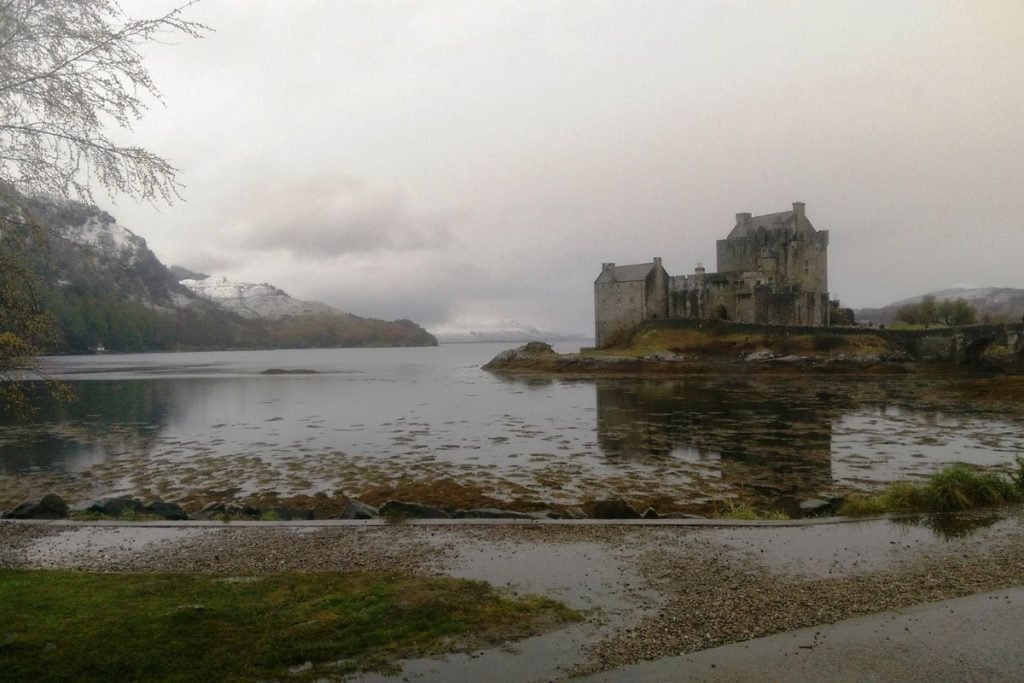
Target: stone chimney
x=605, y=267
x=743, y=219
x=699, y=270
x=798, y=208
x=657, y=261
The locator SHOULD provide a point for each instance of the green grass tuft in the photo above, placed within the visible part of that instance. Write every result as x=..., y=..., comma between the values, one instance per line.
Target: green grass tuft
x=953, y=489
x=863, y=506
x=959, y=487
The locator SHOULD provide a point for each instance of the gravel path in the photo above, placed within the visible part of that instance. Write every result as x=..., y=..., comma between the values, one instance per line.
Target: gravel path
x=716, y=598
x=245, y=550
x=684, y=588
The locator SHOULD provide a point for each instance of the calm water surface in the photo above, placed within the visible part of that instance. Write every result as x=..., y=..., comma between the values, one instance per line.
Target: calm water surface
x=167, y=424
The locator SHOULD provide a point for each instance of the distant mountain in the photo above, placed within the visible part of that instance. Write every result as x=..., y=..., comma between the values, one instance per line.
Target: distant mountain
x=993, y=303
x=255, y=301
x=106, y=288
x=499, y=331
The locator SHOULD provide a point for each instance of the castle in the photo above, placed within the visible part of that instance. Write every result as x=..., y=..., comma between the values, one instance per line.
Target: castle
x=772, y=270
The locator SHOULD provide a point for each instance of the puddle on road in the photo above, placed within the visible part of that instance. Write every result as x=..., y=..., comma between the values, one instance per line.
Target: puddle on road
x=829, y=550
x=860, y=547
x=596, y=578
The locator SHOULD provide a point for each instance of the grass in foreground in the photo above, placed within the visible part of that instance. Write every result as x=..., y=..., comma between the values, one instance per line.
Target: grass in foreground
x=953, y=489
x=66, y=626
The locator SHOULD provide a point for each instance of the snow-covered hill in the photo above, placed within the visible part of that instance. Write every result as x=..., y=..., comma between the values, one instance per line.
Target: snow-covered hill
x=89, y=227
x=255, y=300
x=997, y=303
x=103, y=234
x=93, y=251
x=105, y=287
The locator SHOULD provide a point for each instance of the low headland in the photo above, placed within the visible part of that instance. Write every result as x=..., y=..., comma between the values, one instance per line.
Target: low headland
x=675, y=347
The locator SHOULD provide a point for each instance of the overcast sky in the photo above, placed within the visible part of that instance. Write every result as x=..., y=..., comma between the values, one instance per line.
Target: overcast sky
x=477, y=161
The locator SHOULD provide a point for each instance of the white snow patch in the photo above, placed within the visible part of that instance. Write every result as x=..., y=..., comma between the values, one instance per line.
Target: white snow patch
x=106, y=237
x=256, y=300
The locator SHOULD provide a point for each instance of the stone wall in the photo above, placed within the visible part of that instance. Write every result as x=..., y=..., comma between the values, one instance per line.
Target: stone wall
x=657, y=293
x=744, y=297
x=785, y=258
x=618, y=306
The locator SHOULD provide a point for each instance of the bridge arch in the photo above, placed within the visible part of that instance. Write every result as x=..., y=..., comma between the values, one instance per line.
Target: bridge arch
x=974, y=349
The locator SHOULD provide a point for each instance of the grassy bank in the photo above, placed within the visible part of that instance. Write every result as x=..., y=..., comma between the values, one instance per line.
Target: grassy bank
x=65, y=626
x=953, y=489
x=720, y=341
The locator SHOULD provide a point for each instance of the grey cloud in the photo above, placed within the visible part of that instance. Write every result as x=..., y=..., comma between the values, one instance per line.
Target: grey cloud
x=325, y=218
x=499, y=152
x=430, y=291
x=213, y=263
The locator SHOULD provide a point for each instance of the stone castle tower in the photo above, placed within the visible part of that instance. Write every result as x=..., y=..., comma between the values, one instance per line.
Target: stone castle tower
x=772, y=270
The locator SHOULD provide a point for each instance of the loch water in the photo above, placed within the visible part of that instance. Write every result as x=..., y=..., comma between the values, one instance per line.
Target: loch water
x=331, y=420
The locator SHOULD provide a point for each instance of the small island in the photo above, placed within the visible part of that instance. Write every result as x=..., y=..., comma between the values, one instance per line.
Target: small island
x=766, y=309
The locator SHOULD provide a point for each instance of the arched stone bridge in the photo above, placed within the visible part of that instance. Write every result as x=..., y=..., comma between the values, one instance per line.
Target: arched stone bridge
x=962, y=345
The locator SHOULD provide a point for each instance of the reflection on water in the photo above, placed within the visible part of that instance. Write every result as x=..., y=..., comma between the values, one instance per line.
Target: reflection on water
x=949, y=526
x=735, y=430
x=167, y=424
x=105, y=418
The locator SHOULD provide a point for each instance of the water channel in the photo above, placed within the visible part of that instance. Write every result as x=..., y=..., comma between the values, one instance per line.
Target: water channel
x=172, y=425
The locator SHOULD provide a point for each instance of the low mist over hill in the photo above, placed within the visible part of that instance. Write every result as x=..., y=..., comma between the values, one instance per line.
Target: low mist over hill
x=106, y=288
x=992, y=303
x=499, y=331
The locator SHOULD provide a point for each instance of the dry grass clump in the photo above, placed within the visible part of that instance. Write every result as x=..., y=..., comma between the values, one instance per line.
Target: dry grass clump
x=444, y=492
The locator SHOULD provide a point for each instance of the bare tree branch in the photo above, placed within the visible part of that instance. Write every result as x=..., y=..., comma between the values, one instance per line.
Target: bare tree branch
x=66, y=68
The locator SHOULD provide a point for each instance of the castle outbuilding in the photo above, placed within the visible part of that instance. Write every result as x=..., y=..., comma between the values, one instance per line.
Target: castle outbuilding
x=772, y=270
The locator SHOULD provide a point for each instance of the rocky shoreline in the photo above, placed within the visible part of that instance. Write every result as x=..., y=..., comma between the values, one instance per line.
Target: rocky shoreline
x=53, y=507
x=539, y=358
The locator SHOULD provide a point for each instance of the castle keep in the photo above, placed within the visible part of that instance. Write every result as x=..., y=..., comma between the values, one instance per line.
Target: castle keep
x=772, y=270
